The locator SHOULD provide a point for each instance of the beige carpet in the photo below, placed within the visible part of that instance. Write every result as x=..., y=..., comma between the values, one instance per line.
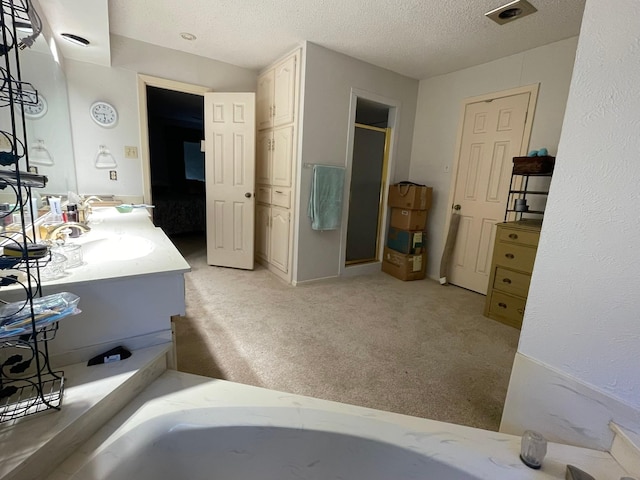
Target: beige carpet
x=416, y=348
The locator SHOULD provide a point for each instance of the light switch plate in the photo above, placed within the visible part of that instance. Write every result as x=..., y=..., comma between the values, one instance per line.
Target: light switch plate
x=113, y=175
x=130, y=152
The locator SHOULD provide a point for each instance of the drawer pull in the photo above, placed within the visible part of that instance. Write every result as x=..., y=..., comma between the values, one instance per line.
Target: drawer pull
x=279, y=191
x=510, y=256
x=513, y=236
x=502, y=305
x=507, y=281
x=521, y=311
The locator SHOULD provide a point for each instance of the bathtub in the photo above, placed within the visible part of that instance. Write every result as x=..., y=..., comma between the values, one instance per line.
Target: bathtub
x=193, y=445
x=187, y=427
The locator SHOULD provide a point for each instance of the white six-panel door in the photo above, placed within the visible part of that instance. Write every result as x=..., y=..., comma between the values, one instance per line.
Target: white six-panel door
x=230, y=178
x=492, y=135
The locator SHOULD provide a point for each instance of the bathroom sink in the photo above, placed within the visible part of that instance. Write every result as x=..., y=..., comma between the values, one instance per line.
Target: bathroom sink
x=115, y=248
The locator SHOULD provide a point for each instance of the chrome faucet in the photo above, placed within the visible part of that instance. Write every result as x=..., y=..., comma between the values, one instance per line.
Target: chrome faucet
x=58, y=231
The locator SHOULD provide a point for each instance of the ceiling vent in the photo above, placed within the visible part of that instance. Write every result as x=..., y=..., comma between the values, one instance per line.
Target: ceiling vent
x=511, y=11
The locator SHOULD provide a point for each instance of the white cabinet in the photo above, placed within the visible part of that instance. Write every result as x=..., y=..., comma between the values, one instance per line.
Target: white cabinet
x=264, y=100
x=276, y=94
x=273, y=226
x=279, y=241
x=274, y=156
x=276, y=106
x=263, y=157
x=282, y=156
x=284, y=92
x=263, y=219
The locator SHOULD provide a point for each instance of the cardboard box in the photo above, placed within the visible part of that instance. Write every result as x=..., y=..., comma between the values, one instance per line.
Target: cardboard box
x=404, y=267
x=408, y=219
x=410, y=197
x=405, y=241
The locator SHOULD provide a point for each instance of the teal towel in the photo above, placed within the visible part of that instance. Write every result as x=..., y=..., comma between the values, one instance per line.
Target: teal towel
x=325, y=204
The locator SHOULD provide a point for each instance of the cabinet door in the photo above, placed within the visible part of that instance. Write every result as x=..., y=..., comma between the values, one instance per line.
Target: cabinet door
x=285, y=92
x=264, y=100
x=263, y=217
x=282, y=156
x=263, y=157
x=279, y=247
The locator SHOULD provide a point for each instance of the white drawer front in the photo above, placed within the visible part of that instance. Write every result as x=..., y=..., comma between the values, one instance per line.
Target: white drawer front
x=281, y=197
x=263, y=194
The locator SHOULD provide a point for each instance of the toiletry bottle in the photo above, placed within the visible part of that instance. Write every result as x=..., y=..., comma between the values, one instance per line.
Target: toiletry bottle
x=72, y=212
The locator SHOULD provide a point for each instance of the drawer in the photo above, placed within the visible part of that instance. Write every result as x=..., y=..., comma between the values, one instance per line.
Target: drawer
x=513, y=256
x=507, y=307
x=281, y=197
x=511, y=281
x=522, y=237
x=263, y=194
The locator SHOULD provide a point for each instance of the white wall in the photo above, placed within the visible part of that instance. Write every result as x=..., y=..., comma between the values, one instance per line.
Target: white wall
x=438, y=114
x=328, y=78
x=580, y=340
x=118, y=85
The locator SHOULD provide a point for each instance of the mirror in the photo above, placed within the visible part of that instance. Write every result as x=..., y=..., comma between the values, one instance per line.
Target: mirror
x=48, y=124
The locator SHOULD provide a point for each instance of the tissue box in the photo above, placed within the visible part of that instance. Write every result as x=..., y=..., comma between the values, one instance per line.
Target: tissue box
x=404, y=267
x=410, y=197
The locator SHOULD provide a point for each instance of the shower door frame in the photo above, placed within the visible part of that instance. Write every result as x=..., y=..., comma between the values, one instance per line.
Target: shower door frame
x=394, y=116
x=383, y=188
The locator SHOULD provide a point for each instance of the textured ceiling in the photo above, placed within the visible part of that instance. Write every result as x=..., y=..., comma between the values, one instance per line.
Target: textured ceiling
x=417, y=38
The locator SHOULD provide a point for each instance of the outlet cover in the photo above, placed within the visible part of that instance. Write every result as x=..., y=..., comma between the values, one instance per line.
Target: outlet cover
x=113, y=175
x=130, y=152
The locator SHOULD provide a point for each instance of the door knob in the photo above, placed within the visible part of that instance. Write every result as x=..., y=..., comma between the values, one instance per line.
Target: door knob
x=457, y=207
x=248, y=195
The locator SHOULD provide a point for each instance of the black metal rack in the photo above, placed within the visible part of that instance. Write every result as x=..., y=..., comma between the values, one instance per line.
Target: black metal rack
x=28, y=384
x=519, y=190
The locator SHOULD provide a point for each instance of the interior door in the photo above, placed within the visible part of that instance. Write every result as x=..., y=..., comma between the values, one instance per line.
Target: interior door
x=230, y=178
x=492, y=135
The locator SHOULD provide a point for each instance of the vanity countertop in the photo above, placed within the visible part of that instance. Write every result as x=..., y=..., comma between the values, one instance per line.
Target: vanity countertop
x=112, y=249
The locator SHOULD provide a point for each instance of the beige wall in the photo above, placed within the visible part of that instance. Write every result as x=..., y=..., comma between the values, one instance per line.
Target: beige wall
x=577, y=362
x=438, y=114
x=328, y=78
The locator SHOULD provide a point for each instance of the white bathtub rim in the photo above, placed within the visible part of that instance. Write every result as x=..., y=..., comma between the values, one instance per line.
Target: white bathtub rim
x=476, y=452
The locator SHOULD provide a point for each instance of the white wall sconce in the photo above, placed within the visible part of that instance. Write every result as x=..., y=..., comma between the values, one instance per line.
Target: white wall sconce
x=104, y=159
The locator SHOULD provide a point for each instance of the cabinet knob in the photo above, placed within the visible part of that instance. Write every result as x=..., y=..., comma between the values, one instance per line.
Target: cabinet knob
x=502, y=305
x=510, y=256
x=507, y=281
x=513, y=236
x=521, y=311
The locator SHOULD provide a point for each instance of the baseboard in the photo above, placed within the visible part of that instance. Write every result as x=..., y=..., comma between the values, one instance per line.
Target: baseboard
x=562, y=408
x=312, y=280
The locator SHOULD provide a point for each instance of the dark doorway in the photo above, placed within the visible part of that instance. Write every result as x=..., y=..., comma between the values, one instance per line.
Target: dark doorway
x=176, y=128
